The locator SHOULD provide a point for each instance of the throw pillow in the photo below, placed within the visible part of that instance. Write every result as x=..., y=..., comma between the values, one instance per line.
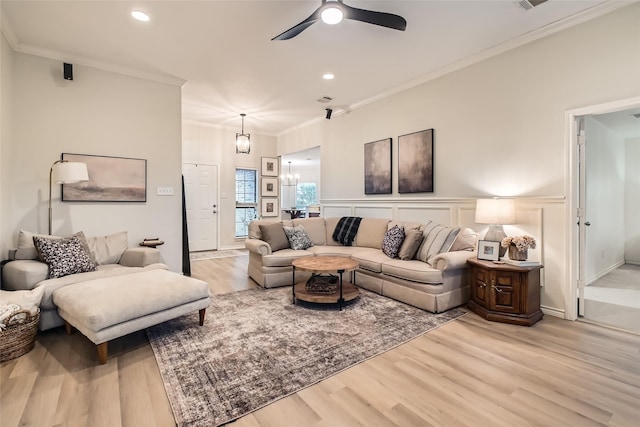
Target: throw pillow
x=108, y=249
x=466, y=240
x=412, y=240
x=298, y=237
x=392, y=241
x=274, y=235
x=437, y=239
x=64, y=256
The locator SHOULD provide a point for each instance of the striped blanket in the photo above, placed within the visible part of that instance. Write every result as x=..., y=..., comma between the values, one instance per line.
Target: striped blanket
x=346, y=229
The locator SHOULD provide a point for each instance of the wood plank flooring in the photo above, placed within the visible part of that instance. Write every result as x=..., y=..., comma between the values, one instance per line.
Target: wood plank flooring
x=469, y=372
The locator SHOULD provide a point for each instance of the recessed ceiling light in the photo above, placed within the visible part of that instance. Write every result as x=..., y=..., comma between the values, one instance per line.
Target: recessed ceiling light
x=140, y=15
x=328, y=76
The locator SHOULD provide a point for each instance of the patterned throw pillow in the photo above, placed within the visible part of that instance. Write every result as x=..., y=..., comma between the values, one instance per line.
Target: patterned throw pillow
x=392, y=241
x=298, y=237
x=63, y=256
x=437, y=239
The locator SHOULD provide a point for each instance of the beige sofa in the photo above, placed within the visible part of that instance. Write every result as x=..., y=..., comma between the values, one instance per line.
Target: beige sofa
x=110, y=253
x=435, y=279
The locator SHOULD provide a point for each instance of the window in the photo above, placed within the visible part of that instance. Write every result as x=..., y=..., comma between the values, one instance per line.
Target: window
x=306, y=194
x=246, y=200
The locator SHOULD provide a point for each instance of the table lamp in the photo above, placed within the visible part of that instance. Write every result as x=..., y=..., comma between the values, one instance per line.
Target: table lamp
x=496, y=212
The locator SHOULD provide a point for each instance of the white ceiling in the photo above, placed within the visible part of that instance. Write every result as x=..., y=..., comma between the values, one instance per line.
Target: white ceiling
x=222, y=50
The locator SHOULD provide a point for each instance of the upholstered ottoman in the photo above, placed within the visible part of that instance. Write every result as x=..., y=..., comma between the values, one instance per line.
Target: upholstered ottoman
x=108, y=308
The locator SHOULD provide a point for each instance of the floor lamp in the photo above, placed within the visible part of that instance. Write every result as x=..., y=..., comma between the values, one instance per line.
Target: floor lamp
x=65, y=172
x=496, y=212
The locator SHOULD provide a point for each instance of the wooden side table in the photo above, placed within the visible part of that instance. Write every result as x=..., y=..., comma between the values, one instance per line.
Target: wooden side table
x=504, y=292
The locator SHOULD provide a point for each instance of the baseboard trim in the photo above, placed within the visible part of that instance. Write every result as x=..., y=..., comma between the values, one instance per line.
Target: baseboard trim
x=552, y=311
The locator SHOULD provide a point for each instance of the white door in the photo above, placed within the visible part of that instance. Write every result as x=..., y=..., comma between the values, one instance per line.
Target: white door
x=201, y=199
x=582, y=214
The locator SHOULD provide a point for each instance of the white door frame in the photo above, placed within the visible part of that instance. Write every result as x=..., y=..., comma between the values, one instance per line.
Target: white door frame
x=572, y=190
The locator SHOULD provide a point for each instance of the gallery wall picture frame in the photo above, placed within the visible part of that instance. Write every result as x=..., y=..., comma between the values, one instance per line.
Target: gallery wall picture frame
x=270, y=166
x=488, y=250
x=377, y=167
x=269, y=187
x=111, y=179
x=270, y=207
x=415, y=162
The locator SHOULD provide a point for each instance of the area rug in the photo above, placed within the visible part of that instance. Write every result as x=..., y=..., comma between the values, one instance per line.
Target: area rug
x=197, y=256
x=256, y=347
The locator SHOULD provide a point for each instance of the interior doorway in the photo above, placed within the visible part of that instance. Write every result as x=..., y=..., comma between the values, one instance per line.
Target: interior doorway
x=201, y=196
x=606, y=241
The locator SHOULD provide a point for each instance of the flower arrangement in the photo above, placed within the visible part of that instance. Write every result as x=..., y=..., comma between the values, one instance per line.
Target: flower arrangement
x=522, y=243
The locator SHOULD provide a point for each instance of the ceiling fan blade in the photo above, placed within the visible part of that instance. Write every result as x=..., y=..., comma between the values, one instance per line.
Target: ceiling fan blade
x=383, y=19
x=297, y=29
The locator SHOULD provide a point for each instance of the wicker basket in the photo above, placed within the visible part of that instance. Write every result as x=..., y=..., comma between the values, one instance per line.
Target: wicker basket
x=18, y=338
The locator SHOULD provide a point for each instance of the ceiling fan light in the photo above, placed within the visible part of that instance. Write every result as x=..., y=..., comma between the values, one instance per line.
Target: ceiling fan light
x=332, y=15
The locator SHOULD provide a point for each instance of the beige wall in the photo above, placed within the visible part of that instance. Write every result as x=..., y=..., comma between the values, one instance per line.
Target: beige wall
x=499, y=130
x=6, y=95
x=632, y=201
x=215, y=146
x=100, y=113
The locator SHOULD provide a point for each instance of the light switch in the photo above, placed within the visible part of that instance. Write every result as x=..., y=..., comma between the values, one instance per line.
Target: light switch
x=165, y=191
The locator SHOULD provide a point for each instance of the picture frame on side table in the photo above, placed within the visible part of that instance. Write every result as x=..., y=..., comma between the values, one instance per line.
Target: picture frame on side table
x=269, y=187
x=269, y=207
x=270, y=166
x=111, y=179
x=415, y=162
x=377, y=167
x=488, y=250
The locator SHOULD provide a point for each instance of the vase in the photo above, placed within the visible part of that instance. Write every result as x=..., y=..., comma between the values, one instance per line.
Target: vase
x=517, y=255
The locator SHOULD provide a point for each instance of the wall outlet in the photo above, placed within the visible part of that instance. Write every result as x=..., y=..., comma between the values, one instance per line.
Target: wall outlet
x=165, y=191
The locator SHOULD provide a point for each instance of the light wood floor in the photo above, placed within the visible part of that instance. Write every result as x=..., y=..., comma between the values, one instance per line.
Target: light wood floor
x=469, y=372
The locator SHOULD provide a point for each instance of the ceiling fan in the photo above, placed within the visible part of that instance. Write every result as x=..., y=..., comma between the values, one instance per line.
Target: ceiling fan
x=333, y=11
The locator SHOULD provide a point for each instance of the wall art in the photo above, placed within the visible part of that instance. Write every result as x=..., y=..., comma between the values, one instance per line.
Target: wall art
x=269, y=187
x=415, y=162
x=270, y=166
x=377, y=167
x=269, y=207
x=111, y=179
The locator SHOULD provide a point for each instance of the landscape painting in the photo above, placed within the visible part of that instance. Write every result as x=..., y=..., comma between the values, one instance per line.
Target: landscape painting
x=377, y=167
x=415, y=162
x=111, y=179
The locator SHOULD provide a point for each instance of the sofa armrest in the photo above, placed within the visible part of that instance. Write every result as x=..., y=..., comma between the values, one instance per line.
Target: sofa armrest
x=23, y=274
x=258, y=246
x=452, y=260
x=139, y=257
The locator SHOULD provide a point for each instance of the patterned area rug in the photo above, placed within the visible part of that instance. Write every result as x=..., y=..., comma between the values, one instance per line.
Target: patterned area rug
x=256, y=347
x=197, y=256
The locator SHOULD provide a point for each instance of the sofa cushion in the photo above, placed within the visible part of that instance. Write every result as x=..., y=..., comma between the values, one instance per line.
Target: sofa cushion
x=413, y=270
x=465, y=241
x=298, y=238
x=329, y=250
x=437, y=239
x=392, y=241
x=64, y=256
x=371, y=232
x=330, y=225
x=411, y=243
x=108, y=249
x=370, y=259
x=283, y=258
x=26, y=248
x=315, y=229
x=274, y=235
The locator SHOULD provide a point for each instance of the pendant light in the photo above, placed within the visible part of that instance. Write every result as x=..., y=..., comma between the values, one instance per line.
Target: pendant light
x=243, y=141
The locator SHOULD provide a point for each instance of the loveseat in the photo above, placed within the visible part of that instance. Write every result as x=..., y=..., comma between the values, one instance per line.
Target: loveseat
x=111, y=256
x=429, y=270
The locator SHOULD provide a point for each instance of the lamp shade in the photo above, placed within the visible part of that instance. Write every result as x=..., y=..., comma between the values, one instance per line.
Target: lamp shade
x=243, y=143
x=70, y=172
x=495, y=211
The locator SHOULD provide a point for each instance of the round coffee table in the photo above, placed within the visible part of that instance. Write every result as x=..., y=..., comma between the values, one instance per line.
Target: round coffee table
x=320, y=267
